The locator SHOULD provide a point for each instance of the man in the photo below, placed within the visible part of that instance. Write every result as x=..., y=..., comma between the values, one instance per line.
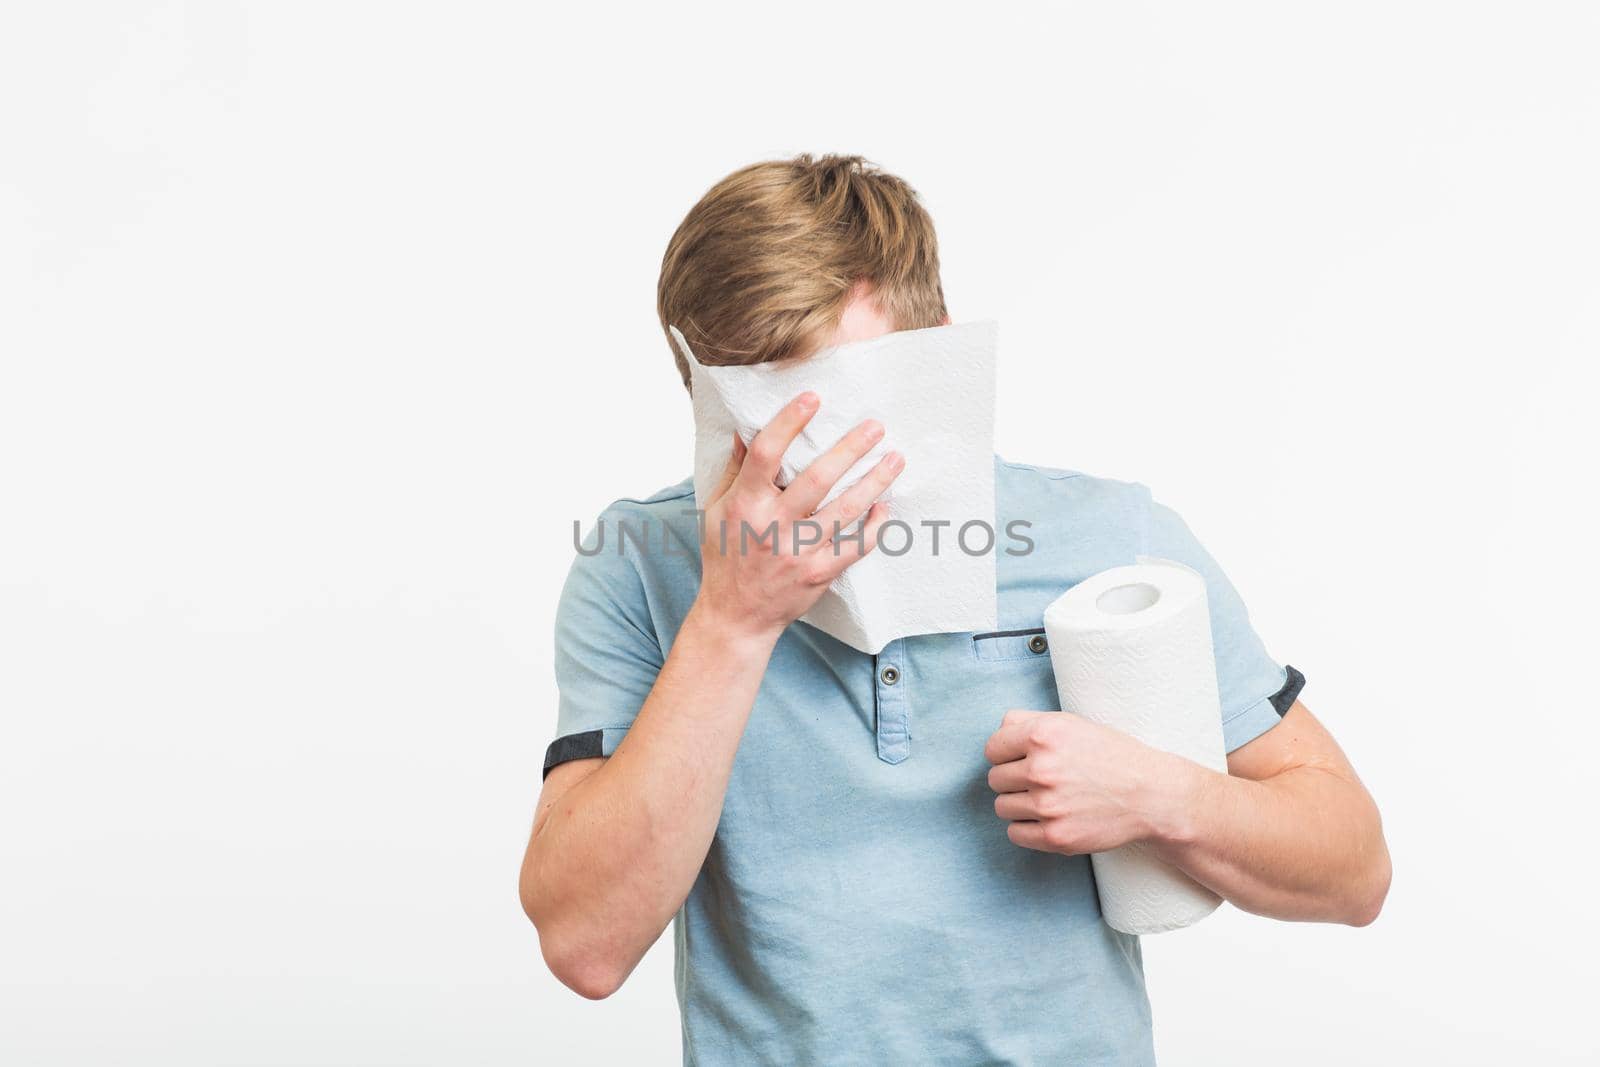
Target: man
x=884, y=859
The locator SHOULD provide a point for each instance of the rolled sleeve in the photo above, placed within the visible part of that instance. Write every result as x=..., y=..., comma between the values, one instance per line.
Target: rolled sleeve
x=1255, y=689
x=1247, y=725
x=607, y=655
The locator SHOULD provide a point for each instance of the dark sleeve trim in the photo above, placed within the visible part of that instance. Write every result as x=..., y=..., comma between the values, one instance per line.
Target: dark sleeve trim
x=587, y=745
x=1282, y=700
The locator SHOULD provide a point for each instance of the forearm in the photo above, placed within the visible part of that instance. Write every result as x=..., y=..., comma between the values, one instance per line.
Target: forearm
x=617, y=847
x=613, y=857
x=1305, y=843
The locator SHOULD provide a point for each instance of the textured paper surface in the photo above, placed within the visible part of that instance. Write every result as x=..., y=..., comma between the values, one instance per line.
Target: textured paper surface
x=1151, y=674
x=933, y=391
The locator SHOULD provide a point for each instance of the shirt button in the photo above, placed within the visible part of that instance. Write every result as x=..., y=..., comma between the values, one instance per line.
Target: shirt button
x=889, y=675
x=1037, y=643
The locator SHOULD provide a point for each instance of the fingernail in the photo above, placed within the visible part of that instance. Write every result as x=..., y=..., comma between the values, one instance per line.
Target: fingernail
x=872, y=429
x=895, y=460
x=810, y=401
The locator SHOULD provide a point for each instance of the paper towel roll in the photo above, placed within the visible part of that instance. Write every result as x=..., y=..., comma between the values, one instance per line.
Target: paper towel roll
x=1131, y=648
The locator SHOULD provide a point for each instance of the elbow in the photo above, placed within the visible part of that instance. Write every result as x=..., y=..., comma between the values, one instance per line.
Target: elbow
x=579, y=960
x=1374, y=889
x=589, y=974
x=592, y=986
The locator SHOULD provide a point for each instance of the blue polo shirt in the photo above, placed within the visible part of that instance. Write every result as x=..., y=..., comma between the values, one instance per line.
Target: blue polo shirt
x=861, y=903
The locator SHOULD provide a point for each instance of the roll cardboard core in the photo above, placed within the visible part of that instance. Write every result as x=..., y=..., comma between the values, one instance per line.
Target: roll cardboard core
x=1127, y=599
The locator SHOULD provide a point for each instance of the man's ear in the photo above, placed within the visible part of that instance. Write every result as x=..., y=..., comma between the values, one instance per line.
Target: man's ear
x=946, y=321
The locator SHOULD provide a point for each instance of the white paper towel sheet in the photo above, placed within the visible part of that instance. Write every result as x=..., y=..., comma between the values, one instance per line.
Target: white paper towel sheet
x=1131, y=648
x=933, y=390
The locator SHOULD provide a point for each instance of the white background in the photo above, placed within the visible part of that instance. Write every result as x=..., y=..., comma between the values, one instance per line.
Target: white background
x=321, y=322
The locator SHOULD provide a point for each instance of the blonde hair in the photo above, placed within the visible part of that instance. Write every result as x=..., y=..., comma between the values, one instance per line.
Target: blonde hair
x=762, y=267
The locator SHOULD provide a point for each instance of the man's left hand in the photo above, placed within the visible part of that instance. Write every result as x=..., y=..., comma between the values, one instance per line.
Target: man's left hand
x=1068, y=785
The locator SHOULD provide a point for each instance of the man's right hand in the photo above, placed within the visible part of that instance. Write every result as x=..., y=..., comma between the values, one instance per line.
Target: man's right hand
x=769, y=553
